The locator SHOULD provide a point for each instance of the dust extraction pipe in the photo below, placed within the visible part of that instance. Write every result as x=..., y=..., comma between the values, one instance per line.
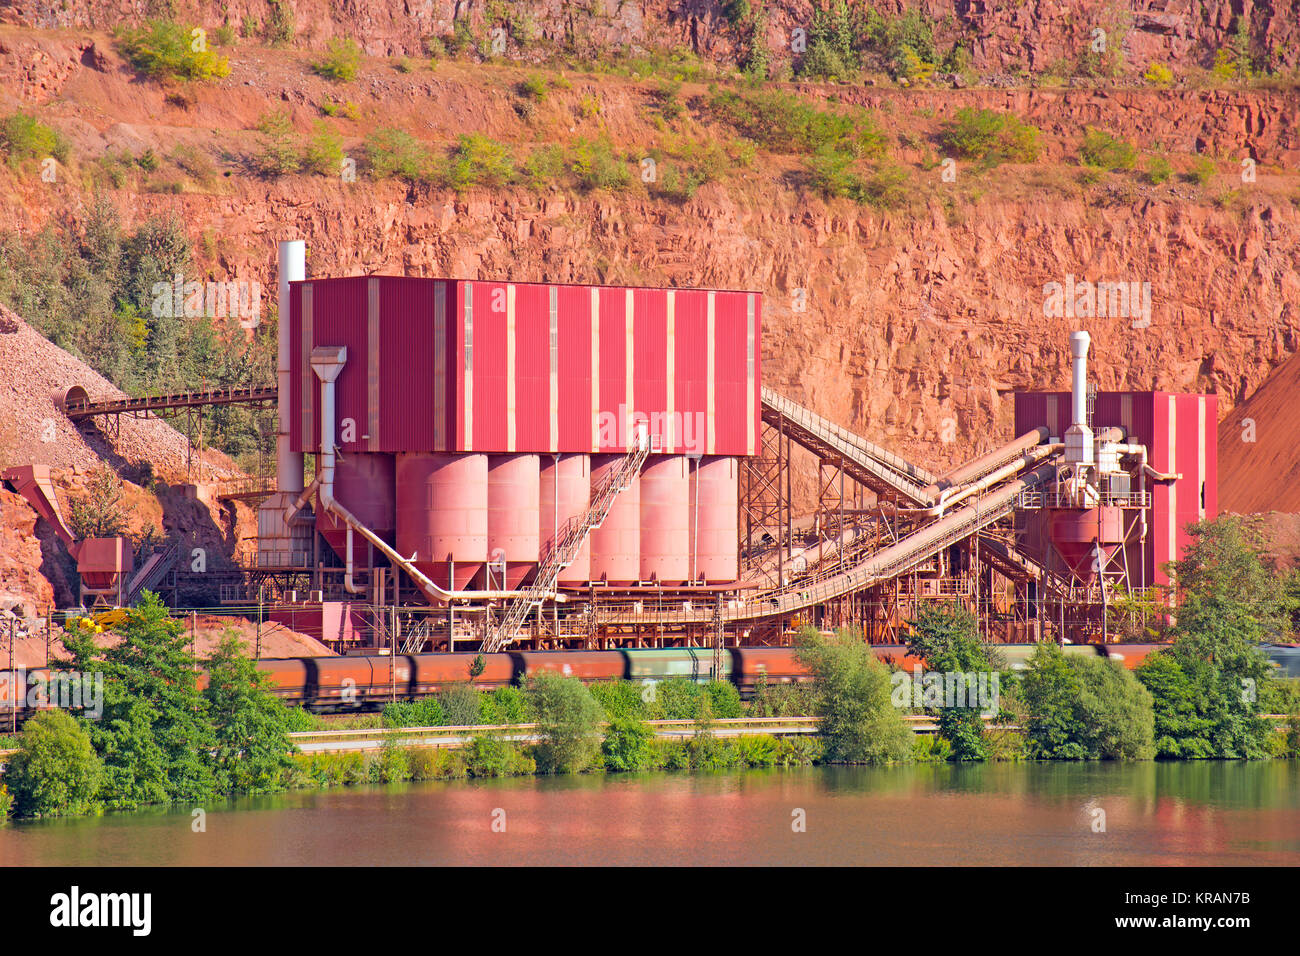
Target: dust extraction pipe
x=293, y=268
x=327, y=362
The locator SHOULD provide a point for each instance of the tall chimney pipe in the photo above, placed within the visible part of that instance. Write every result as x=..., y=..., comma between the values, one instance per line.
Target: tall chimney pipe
x=293, y=268
x=1079, y=342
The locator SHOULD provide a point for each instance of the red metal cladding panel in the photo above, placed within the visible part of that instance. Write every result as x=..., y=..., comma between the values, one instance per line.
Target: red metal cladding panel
x=729, y=375
x=650, y=361
x=532, y=369
x=665, y=519
x=691, y=371
x=1211, y=457
x=339, y=316
x=565, y=494
x=488, y=365
x=576, y=412
x=295, y=366
x=754, y=305
x=407, y=370
x=1163, y=502
x=613, y=369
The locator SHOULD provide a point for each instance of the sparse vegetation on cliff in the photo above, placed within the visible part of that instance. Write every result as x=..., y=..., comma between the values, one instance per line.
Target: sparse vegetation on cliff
x=164, y=50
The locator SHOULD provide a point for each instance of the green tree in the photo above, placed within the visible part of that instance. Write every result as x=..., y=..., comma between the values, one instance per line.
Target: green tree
x=154, y=734
x=947, y=639
x=55, y=771
x=859, y=724
x=626, y=746
x=568, y=722
x=250, y=724
x=1082, y=708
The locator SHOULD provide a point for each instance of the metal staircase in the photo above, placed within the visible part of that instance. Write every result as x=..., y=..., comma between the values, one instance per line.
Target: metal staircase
x=151, y=573
x=568, y=541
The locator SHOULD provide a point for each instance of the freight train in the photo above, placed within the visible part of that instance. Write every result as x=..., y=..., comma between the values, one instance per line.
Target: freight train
x=358, y=682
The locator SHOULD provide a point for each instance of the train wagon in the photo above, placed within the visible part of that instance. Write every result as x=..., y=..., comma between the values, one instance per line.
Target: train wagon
x=691, y=663
x=435, y=672
x=584, y=665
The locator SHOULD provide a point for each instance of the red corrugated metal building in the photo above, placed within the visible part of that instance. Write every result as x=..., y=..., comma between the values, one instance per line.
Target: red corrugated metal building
x=1181, y=436
x=442, y=373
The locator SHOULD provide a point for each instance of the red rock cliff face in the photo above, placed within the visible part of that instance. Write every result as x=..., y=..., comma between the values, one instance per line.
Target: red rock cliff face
x=910, y=326
x=1002, y=37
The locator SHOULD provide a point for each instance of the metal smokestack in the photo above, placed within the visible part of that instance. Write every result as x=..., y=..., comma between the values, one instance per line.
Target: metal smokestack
x=1079, y=342
x=1078, y=440
x=293, y=268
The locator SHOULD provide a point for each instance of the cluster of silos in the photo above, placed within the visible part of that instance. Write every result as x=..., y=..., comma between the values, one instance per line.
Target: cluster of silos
x=486, y=521
x=476, y=421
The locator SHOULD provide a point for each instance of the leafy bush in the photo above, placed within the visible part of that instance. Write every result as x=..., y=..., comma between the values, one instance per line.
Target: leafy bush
x=323, y=153
x=948, y=640
x=24, y=138
x=859, y=724
x=505, y=705
x=619, y=698
x=799, y=751
x=56, y=770
x=300, y=720
x=394, y=152
x=534, y=88
x=832, y=40
x=461, y=704
x=166, y=50
x=626, y=747
x=490, y=756
x=1085, y=709
x=677, y=698
x=931, y=748
x=479, y=160
x=341, y=62
x=1202, y=171
x=6, y=804
x=1101, y=150
x=250, y=724
x=280, y=24
x=724, y=699
x=593, y=165
x=392, y=765
x=429, y=763
x=782, y=121
x=425, y=712
x=1158, y=170
x=1158, y=74
x=991, y=136
x=224, y=35
x=756, y=750
x=279, y=152
x=568, y=719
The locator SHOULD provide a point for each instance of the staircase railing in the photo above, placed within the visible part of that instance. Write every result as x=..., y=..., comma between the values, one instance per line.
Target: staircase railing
x=568, y=542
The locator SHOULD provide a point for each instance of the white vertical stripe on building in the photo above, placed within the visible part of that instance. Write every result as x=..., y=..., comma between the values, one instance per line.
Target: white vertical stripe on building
x=750, y=429
x=710, y=379
x=670, y=361
x=372, y=364
x=1171, y=456
x=440, y=369
x=626, y=424
x=511, y=424
x=1200, y=457
x=595, y=369
x=468, y=443
x=553, y=346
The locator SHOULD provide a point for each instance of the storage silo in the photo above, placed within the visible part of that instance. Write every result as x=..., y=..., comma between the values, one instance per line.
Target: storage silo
x=665, y=499
x=442, y=503
x=715, y=489
x=616, y=544
x=365, y=484
x=512, y=515
x=565, y=493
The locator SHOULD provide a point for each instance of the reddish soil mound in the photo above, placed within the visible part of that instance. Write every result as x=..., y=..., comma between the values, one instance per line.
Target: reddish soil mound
x=1259, y=447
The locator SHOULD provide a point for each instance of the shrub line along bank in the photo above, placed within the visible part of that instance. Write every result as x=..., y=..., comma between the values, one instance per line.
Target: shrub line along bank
x=162, y=740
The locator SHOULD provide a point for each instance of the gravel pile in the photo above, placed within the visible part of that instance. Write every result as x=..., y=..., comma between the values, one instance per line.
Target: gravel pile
x=34, y=431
